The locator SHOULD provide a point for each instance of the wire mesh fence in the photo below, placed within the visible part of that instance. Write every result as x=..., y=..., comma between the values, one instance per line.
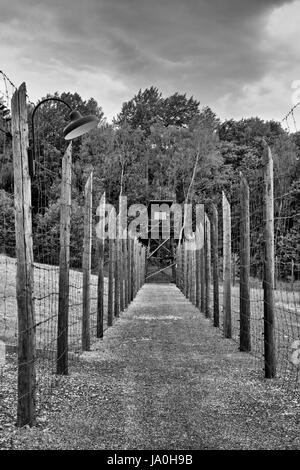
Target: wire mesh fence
x=247, y=277
x=58, y=279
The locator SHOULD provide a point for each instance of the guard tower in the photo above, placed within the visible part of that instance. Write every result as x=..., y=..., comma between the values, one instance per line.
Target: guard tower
x=160, y=243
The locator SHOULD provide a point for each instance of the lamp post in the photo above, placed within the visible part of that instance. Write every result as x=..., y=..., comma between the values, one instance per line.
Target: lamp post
x=77, y=126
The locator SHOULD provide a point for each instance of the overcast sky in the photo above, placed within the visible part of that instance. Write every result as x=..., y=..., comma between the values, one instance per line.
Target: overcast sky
x=240, y=57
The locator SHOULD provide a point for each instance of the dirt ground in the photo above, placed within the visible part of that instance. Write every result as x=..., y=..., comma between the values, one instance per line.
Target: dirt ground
x=164, y=378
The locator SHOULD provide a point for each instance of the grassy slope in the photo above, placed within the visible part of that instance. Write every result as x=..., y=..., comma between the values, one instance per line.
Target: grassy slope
x=46, y=303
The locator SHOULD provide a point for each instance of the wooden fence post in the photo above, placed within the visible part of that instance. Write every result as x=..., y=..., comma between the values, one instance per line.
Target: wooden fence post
x=64, y=264
x=122, y=274
x=207, y=263
x=137, y=267
x=245, y=338
x=129, y=260
x=197, y=273
x=26, y=413
x=187, y=260
x=202, y=257
x=111, y=244
x=125, y=248
x=215, y=263
x=179, y=266
x=132, y=267
x=182, y=267
x=117, y=271
x=268, y=282
x=276, y=275
x=86, y=264
x=183, y=286
x=138, y=263
x=186, y=269
x=143, y=264
x=226, y=267
x=193, y=273
x=100, y=287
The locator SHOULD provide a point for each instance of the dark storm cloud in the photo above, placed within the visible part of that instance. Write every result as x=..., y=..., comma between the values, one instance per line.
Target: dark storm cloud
x=207, y=47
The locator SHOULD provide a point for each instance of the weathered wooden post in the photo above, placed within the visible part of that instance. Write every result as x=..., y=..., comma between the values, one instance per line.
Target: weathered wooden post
x=117, y=270
x=178, y=265
x=268, y=281
x=202, y=256
x=138, y=265
x=26, y=413
x=125, y=251
x=132, y=267
x=111, y=245
x=187, y=269
x=122, y=274
x=64, y=264
x=183, y=283
x=193, y=272
x=276, y=275
x=207, y=262
x=187, y=257
x=245, y=338
x=197, y=268
x=215, y=263
x=143, y=264
x=129, y=260
x=86, y=264
x=226, y=267
x=100, y=248
x=183, y=261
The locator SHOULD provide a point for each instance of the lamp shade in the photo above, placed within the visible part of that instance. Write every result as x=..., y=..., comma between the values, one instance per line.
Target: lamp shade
x=79, y=125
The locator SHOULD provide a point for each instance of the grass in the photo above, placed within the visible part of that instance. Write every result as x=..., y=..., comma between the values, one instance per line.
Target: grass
x=46, y=304
x=287, y=324
x=46, y=281
x=162, y=378
x=287, y=314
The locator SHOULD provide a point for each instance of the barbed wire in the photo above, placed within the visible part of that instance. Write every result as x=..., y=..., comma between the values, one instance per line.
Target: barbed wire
x=292, y=115
x=7, y=80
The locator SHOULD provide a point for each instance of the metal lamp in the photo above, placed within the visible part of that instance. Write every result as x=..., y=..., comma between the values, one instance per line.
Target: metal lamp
x=78, y=126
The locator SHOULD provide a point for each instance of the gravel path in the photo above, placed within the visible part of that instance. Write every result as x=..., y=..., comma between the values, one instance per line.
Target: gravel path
x=164, y=378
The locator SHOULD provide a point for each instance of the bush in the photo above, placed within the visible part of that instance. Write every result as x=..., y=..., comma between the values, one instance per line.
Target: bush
x=7, y=224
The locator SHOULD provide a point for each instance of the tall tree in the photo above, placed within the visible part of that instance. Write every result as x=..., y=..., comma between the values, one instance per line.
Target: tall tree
x=149, y=107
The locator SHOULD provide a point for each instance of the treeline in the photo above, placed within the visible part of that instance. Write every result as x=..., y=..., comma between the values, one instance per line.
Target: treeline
x=149, y=152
